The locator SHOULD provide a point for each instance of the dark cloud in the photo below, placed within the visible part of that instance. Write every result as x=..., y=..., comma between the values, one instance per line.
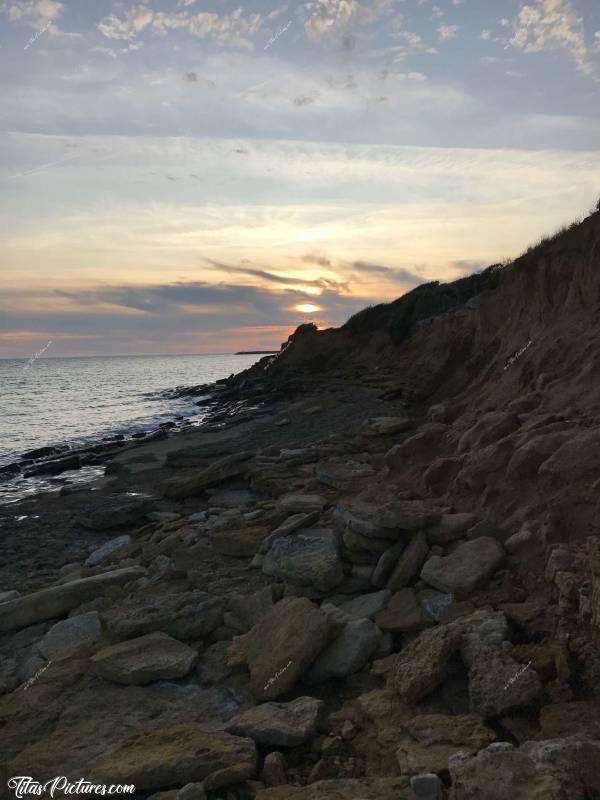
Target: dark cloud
x=317, y=258
x=401, y=275
x=191, y=77
x=466, y=266
x=241, y=150
x=272, y=277
x=302, y=100
x=349, y=42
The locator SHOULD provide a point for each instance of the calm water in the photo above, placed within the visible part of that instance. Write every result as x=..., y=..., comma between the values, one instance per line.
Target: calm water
x=75, y=400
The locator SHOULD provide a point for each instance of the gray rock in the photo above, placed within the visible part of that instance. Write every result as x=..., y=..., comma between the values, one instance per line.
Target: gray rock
x=367, y=605
x=427, y=787
x=343, y=474
x=290, y=525
x=347, y=654
x=434, y=603
x=466, y=569
x=518, y=540
x=279, y=724
x=104, y=554
x=67, y=636
x=450, y=528
x=274, y=770
x=191, y=791
x=387, y=562
x=409, y=562
x=403, y=614
x=116, y=512
x=302, y=503
x=57, y=601
x=310, y=557
x=149, y=658
x=183, y=615
x=6, y=596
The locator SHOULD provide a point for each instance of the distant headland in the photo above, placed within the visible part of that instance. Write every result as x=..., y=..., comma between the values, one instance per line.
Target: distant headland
x=256, y=352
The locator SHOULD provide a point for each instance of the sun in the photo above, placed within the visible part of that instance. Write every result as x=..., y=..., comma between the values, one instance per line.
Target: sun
x=307, y=308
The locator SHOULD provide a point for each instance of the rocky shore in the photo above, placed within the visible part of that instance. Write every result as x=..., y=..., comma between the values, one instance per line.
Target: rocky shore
x=354, y=581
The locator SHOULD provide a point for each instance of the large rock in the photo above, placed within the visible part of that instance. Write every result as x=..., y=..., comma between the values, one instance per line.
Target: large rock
x=367, y=605
x=576, y=460
x=498, y=683
x=283, y=644
x=240, y=543
x=302, y=503
x=504, y=775
x=116, y=512
x=348, y=653
x=57, y=601
x=173, y=755
x=107, y=551
x=526, y=461
x=183, y=615
x=67, y=636
x=343, y=474
x=279, y=724
x=387, y=426
x=153, y=657
x=421, y=666
x=409, y=562
x=227, y=467
x=404, y=613
x=489, y=428
x=311, y=557
x=466, y=569
x=450, y=528
x=429, y=740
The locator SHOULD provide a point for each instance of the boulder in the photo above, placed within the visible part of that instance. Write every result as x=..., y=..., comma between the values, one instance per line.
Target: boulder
x=183, y=615
x=240, y=543
x=348, y=653
x=311, y=557
x=510, y=775
x=149, y=658
x=173, y=755
x=386, y=563
x=108, y=551
x=116, y=512
x=296, y=631
x=387, y=426
x=409, y=562
x=229, y=466
x=367, y=605
x=67, y=636
x=428, y=741
x=343, y=474
x=57, y=601
x=11, y=595
x=403, y=614
x=279, y=724
x=421, y=666
x=274, y=770
x=489, y=428
x=498, y=683
x=467, y=568
x=450, y=528
x=526, y=461
x=302, y=503
x=289, y=526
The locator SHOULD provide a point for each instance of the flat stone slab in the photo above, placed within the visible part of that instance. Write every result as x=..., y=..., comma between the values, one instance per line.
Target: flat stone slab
x=149, y=658
x=403, y=614
x=469, y=567
x=367, y=605
x=173, y=755
x=302, y=503
x=409, y=562
x=67, y=636
x=57, y=601
x=348, y=653
x=104, y=554
x=241, y=542
x=310, y=557
x=279, y=724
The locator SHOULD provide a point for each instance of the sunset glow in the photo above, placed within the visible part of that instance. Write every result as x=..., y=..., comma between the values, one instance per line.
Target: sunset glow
x=307, y=308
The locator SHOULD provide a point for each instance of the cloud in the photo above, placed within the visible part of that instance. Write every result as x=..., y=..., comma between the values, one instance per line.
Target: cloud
x=36, y=13
x=401, y=275
x=447, y=32
x=332, y=16
x=551, y=25
x=303, y=100
x=282, y=280
x=191, y=77
x=234, y=30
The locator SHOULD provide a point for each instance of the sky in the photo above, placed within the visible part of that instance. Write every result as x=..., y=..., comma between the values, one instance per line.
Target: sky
x=188, y=176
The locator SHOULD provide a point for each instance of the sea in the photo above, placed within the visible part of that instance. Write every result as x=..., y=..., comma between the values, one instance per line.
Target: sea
x=75, y=401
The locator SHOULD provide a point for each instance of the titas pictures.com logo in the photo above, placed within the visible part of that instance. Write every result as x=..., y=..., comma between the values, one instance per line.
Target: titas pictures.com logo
x=25, y=786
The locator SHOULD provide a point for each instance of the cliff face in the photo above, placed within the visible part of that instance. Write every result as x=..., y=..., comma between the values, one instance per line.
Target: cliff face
x=550, y=297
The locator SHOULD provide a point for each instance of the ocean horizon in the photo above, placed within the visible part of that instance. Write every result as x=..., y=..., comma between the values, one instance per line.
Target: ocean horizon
x=73, y=400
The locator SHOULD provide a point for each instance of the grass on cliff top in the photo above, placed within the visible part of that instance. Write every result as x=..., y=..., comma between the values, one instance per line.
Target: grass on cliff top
x=399, y=317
